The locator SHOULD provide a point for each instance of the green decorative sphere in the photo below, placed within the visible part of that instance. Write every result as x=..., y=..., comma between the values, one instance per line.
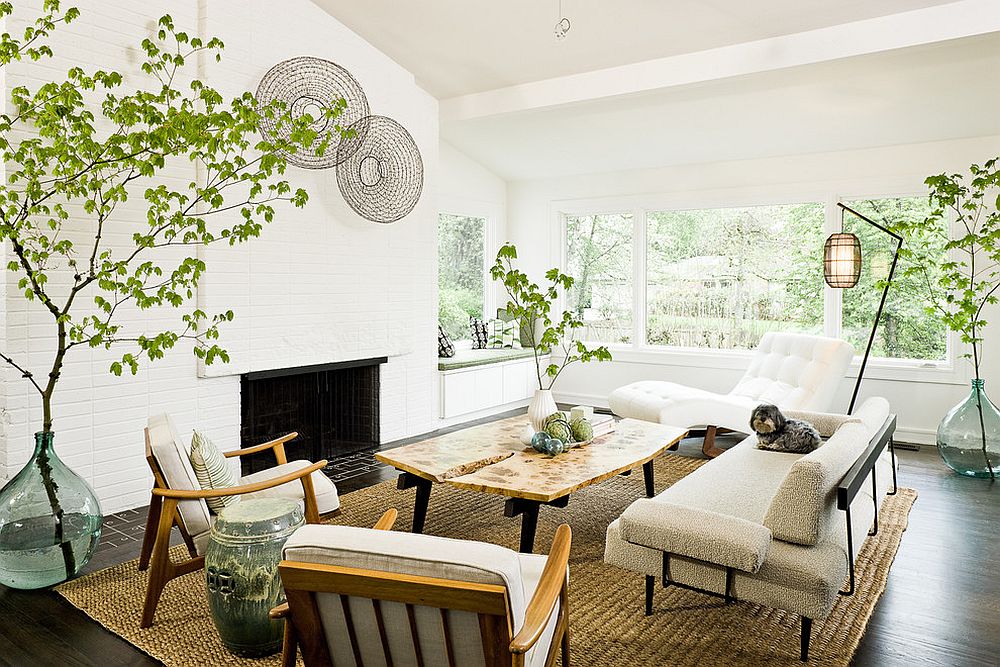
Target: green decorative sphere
x=556, y=417
x=559, y=429
x=582, y=430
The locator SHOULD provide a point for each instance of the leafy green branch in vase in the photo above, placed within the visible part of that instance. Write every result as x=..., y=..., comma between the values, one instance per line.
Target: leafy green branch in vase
x=78, y=150
x=969, y=279
x=532, y=307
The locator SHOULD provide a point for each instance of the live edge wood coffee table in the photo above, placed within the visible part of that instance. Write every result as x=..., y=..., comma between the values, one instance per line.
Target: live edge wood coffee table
x=490, y=458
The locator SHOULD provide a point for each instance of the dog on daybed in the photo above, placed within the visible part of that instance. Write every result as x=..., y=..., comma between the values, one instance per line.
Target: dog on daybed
x=776, y=433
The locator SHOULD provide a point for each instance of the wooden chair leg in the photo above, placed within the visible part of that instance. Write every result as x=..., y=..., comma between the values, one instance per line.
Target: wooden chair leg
x=807, y=625
x=708, y=447
x=289, y=648
x=149, y=535
x=161, y=569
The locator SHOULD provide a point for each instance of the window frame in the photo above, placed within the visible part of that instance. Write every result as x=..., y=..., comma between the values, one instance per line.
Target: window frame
x=490, y=214
x=951, y=370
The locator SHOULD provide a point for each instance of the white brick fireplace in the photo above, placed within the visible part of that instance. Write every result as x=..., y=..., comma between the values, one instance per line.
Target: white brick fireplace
x=320, y=286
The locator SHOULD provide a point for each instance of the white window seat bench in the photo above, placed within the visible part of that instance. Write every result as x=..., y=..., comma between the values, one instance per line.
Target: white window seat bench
x=480, y=382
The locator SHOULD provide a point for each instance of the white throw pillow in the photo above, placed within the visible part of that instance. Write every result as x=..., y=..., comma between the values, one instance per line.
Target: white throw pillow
x=212, y=471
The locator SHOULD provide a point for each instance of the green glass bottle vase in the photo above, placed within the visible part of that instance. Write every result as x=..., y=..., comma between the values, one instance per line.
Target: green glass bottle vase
x=961, y=432
x=50, y=521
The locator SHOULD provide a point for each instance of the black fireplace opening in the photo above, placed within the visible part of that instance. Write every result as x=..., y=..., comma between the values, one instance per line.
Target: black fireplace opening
x=333, y=407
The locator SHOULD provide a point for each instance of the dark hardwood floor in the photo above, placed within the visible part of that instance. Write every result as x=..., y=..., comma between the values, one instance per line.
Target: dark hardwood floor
x=941, y=606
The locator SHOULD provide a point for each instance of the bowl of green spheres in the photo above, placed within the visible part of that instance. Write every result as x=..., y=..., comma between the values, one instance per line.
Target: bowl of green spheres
x=544, y=443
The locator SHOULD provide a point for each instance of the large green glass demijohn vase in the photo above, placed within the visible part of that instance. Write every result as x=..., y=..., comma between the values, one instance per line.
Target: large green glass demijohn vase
x=963, y=431
x=50, y=521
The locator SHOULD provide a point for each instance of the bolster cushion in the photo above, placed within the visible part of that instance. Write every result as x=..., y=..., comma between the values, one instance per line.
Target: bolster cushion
x=696, y=533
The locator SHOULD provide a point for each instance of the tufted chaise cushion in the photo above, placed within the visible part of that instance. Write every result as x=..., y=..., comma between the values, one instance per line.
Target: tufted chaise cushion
x=793, y=371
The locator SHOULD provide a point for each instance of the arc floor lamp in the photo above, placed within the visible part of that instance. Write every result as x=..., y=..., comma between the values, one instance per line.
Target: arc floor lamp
x=842, y=270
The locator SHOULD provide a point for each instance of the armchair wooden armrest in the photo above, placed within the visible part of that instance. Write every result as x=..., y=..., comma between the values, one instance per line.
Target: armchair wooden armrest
x=278, y=445
x=551, y=587
x=386, y=521
x=199, y=494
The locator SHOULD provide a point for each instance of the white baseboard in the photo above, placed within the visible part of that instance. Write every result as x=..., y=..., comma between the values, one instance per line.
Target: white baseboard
x=914, y=436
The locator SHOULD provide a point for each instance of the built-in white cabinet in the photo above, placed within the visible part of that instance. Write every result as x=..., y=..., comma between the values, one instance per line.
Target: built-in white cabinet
x=479, y=388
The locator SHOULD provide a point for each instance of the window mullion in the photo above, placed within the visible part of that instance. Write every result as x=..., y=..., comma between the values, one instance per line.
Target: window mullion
x=638, y=278
x=832, y=298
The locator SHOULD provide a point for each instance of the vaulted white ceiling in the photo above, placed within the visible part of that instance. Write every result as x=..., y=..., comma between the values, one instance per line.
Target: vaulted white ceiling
x=651, y=83
x=457, y=47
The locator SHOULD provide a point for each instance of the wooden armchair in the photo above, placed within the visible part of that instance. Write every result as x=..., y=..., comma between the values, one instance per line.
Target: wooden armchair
x=361, y=596
x=178, y=500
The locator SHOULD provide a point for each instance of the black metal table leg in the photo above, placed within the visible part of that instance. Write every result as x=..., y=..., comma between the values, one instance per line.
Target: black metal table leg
x=647, y=475
x=528, y=509
x=406, y=481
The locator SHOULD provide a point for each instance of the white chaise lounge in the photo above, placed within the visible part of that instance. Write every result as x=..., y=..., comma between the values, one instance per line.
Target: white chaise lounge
x=767, y=527
x=792, y=371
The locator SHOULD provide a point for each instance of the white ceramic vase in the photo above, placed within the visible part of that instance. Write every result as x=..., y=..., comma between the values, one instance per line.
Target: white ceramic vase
x=541, y=406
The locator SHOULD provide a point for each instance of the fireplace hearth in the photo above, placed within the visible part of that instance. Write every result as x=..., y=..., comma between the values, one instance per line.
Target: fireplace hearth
x=333, y=407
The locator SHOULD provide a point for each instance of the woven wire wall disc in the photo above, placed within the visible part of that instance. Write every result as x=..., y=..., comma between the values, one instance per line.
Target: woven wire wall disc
x=312, y=85
x=379, y=169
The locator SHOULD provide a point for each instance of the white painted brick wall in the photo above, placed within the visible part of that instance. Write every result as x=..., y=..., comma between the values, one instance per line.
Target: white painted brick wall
x=320, y=285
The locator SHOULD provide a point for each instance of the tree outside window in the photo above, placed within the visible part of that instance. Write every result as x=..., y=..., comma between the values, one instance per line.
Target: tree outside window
x=461, y=272
x=906, y=331
x=599, y=257
x=722, y=278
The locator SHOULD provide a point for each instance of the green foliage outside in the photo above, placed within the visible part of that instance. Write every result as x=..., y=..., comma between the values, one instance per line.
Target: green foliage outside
x=721, y=278
x=599, y=257
x=461, y=282
x=905, y=330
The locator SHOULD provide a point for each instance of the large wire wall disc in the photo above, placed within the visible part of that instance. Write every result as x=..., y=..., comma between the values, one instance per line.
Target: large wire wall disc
x=379, y=169
x=311, y=86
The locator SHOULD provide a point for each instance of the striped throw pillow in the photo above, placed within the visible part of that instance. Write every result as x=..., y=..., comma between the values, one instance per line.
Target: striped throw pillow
x=212, y=471
x=503, y=334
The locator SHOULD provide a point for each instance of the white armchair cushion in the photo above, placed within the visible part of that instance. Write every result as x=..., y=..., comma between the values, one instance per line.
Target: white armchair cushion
x=420, y=555
x=327, y=499
x=696, y=533
x=172, y=454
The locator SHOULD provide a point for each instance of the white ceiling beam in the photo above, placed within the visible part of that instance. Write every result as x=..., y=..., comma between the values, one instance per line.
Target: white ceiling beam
x=965, y=18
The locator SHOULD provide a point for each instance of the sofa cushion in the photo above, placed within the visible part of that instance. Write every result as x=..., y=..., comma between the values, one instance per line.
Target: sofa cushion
x=709, y=536
x=726, y=485
x=805, y=499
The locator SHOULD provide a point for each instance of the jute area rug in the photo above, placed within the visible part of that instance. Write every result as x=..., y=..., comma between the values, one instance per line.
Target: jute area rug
x=606, y=619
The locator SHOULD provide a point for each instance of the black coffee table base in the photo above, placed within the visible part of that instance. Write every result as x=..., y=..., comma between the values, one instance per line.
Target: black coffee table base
x=527, y=509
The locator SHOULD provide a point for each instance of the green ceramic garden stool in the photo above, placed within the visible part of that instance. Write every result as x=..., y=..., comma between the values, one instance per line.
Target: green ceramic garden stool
x=241, y=572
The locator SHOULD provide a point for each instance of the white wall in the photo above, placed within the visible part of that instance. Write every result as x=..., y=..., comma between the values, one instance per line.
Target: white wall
x=466, y=187
x=533, y=225
x=324, y=284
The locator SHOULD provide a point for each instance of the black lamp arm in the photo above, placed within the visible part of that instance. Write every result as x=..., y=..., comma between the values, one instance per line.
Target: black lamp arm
x=881, y=303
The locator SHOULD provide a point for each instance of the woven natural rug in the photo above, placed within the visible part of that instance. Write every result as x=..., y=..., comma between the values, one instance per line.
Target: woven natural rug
x=606, y=618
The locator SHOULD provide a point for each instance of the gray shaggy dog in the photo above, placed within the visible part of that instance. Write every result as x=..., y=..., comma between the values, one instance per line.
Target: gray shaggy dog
x=777, y=434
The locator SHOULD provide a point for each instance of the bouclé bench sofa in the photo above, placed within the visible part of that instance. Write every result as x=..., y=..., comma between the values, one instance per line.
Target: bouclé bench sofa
x=774, y=528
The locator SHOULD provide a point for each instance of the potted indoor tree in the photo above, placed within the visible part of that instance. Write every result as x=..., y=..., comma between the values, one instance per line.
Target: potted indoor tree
x=968, y=281
x=532, y=307
x=87, y=215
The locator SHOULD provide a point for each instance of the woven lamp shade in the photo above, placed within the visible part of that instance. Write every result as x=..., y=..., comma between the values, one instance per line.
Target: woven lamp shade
x=842, y=260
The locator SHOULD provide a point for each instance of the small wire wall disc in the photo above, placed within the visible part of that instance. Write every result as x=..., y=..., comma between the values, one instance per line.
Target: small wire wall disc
x=310, y=85
x=379, y=169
